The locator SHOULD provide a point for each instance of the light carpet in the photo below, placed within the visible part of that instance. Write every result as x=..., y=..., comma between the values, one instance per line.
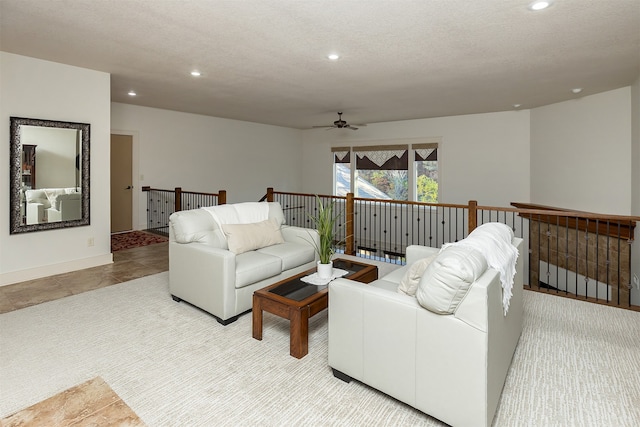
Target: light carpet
x=576, y=364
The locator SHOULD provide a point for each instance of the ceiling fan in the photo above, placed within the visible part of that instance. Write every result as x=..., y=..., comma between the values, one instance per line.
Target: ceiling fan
x=340, y=124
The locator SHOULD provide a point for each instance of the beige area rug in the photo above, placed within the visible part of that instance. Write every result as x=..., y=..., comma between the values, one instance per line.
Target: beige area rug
x=92, y=403
x=577, y=364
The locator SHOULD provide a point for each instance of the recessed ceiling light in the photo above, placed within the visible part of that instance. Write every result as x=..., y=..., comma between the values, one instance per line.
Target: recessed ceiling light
x=517, y=105
x=196, y=73
x=576, y=90
x=540, y=4
x=333, y=56
x=132, y=93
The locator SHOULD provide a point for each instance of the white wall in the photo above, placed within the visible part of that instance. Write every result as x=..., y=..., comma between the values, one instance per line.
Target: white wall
x=55, y=155
x=202, y=153
x=39, y=89
x=483, y=157
x=581, y=153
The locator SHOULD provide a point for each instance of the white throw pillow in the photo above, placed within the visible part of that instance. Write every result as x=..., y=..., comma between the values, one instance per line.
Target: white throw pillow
x=409, y=283
x=248, y=237
x=448, y=278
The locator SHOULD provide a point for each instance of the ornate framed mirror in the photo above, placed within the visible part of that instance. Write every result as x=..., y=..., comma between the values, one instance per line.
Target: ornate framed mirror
x=49, y=174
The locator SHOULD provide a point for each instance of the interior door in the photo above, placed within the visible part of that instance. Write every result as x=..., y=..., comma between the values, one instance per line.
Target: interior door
x=121, y=183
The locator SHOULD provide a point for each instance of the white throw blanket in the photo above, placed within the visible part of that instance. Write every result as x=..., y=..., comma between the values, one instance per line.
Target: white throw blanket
x=493, y=240
x=239, y=213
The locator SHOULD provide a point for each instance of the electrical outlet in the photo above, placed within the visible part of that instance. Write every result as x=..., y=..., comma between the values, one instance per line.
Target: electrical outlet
x=636, y=283
x=90, y=242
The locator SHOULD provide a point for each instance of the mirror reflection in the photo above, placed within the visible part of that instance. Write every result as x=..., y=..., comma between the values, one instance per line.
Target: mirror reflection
x=49, y=174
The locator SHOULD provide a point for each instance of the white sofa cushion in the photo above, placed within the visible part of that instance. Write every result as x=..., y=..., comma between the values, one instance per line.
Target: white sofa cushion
x=494, y=241
x=246, y=213
x=242, y=238
x=197, y=225
x=275, y=212
x=239, y=213
x=292, y=254
x=409, y=282
x=447, y=279
x=384, y=283
x=253, y=266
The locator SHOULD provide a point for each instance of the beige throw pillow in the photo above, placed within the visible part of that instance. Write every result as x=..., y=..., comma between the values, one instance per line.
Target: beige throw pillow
x=409, y=283
x=248, y=237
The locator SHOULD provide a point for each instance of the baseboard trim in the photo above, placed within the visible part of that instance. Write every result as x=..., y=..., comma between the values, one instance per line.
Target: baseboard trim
x=50, y=270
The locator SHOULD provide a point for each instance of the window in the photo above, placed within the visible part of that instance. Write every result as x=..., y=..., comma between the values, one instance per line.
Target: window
x=341, y=171
x=426, y=172
x=384, y=172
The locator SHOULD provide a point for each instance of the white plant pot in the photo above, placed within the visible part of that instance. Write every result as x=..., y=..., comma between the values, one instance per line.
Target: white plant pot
x=325, y=271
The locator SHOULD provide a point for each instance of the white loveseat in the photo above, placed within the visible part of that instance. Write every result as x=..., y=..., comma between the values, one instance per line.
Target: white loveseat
x=220, y=255
x=53, y=204
x=451, y=366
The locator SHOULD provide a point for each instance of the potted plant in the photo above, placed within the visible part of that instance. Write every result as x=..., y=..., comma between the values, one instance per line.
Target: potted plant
x=324, y=221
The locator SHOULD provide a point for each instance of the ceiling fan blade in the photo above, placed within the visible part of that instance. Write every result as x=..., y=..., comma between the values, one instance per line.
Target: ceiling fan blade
x=340, y=124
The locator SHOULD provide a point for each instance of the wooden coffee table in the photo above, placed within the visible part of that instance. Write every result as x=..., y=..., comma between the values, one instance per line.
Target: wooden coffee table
x=297, y=301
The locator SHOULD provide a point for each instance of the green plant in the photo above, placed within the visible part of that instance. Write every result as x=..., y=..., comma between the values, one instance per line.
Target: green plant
x=324, y=221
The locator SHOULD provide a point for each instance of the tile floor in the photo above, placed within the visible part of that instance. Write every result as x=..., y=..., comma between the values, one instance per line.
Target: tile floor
x=128, y=264
x=92, y=403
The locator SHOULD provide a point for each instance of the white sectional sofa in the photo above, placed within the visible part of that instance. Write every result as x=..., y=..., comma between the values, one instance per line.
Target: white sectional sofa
x=220, y=255
x=447, y=350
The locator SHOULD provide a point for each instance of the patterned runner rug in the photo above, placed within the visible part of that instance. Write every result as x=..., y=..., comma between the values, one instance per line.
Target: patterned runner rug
x=92, y=403
x=134, y=239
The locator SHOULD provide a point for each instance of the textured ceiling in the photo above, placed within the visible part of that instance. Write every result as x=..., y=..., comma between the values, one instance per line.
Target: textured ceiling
x=265, y=61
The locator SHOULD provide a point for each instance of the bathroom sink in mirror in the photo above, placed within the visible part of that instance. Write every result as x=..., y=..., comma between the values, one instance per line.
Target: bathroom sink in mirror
x=49, y=185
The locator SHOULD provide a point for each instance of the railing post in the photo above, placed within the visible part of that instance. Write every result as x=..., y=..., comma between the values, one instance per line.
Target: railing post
x=270, y=194
x=222, y=197
x=349, y=214
x=473, y=215
x=178, y=199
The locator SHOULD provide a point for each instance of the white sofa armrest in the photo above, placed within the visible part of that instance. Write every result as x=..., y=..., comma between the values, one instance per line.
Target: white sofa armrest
x=190, y=263
x=305, y=236
x=35, y=213
x=372, y=336
x=69, y=208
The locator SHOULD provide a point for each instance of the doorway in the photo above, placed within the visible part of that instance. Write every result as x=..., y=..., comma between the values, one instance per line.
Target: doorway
x=121, y=183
